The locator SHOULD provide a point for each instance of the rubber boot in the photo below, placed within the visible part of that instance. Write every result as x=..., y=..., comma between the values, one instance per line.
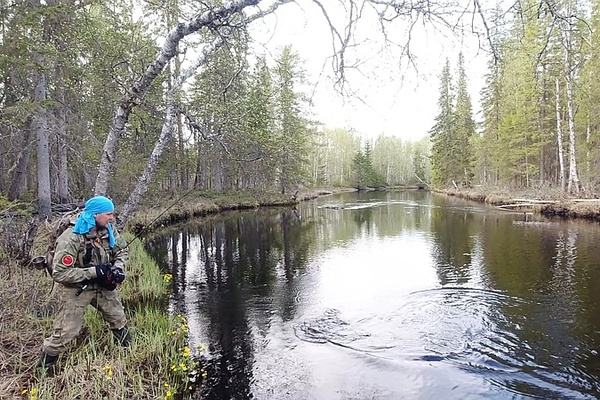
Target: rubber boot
x=122, y=336
x=46, y=365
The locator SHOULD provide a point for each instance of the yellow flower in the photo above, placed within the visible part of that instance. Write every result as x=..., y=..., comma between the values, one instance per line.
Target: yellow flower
x=186, y=351
x=24, y=392
x=183, y=366
x=109, y=372
x=174, y=368
x=167, y=385
x=204, y=374
x=167, y=277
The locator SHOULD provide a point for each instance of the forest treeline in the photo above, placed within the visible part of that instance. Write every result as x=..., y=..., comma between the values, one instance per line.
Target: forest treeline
x=241, y=122
x=120, y=99
x=540, y=121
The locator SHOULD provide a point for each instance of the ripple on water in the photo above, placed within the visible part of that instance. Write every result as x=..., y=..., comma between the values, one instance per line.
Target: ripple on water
x=328, y=328
x=475, y=330
x=481, y=331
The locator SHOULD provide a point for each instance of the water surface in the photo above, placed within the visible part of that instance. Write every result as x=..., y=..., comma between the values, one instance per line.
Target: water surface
x=405, y=295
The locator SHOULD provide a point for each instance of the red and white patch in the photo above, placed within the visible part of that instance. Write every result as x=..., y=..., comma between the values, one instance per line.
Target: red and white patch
x=67, y=260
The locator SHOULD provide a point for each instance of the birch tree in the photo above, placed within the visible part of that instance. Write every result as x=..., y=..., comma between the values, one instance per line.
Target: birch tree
x=573, y=184
x=384, y=11
x=559, y=139
x=211, y=18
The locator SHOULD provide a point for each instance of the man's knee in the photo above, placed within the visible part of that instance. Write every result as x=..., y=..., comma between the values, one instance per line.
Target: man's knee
x=113, y=311
x=60, y=338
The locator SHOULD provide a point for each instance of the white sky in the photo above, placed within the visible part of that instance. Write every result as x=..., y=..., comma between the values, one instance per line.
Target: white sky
x=397, y=100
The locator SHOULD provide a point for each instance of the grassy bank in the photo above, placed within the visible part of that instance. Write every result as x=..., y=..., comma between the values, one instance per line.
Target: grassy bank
x=178, y=208
x=156, y=366
x=546, y=202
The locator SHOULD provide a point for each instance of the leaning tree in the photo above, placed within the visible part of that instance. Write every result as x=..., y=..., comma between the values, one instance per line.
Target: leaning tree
x=393, y=20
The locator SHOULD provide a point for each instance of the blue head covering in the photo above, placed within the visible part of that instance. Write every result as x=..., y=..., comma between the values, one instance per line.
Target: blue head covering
x=86, y=221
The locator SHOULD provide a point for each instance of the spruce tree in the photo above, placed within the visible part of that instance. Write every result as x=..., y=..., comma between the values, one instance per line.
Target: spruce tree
x=443, y=169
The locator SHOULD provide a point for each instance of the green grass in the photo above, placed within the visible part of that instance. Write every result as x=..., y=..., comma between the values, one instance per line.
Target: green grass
x=157, y=365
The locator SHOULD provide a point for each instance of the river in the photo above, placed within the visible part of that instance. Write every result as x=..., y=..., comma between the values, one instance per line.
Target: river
x=398, y=295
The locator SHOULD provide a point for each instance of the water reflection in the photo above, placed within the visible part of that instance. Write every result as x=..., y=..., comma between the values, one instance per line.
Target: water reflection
x=389, y=295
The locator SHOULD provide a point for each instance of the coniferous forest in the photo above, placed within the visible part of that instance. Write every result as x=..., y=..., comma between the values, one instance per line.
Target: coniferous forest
x=148, y=101
x=539, y=125
x=129, y=98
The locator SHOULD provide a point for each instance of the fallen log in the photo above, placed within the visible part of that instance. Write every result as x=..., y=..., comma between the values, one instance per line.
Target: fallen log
x=585, y=200
x=536, y=201
x=515, y=205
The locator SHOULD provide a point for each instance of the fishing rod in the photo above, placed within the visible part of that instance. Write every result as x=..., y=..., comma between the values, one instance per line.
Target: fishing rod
x=146, y=226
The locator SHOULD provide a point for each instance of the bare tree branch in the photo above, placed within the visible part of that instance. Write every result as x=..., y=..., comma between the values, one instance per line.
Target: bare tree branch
x=212, y=18
x=487, y=30
x=172, y=110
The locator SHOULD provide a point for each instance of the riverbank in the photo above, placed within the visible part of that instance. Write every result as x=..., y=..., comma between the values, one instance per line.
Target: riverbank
x=159, y=364
x=177, y=208
x=550, y=203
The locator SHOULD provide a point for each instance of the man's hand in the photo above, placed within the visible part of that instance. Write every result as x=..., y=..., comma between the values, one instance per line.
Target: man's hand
x=118, y=275
x=105, y=276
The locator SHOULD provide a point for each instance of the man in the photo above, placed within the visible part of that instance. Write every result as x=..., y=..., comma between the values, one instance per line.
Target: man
x=88, y=262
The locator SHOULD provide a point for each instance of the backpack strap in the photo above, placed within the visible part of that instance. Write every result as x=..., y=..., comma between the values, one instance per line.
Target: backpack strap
x=86, y=248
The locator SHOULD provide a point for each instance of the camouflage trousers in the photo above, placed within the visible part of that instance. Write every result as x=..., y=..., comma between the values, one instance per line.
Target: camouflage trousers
x=69, y=320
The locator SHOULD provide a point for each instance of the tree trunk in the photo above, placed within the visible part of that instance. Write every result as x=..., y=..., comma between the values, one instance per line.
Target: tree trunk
x=559, y=138
x=198, y=179
x=62, y=181
x=64, y=195
x=218, y=173
x=588, y=136
x=573, y=185
x=39, y=125
x=183, y=169
x=139, y=89
x=21, y=167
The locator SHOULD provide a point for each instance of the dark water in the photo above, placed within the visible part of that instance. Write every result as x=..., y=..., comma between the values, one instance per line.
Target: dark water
x=404, y=295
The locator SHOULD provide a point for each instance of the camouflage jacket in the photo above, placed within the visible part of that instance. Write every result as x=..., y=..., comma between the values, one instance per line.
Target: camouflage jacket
x=76, y=255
